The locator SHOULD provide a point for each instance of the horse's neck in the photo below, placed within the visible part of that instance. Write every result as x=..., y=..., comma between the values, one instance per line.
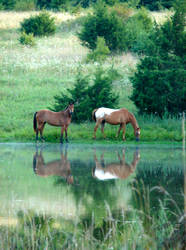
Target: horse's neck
x=133, y=121
x=67, y=113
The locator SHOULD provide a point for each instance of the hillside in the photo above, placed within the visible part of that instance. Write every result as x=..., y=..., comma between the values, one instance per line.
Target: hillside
x=31, y=77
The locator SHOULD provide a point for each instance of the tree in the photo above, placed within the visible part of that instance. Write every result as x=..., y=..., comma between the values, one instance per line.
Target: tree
x=103, y=24
x=88, y=96
x=159, y=82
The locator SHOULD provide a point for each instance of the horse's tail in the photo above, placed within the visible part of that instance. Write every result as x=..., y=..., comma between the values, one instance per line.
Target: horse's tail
x=35, y=122
x=93, y=114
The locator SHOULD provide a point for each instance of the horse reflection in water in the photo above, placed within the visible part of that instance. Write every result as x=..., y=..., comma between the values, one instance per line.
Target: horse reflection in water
x=58, y=167
x=116, y=170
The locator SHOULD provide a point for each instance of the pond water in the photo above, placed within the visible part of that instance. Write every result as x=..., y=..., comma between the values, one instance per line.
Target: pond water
x=91, y=196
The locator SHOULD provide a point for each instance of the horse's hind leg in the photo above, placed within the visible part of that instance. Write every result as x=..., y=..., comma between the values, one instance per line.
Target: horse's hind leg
x=36, y=134
x=96, y=127
x=41, y=131
x=41, y=126
x=120, y=127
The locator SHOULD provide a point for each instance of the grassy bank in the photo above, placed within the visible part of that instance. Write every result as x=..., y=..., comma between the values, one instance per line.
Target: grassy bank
x=31, y=77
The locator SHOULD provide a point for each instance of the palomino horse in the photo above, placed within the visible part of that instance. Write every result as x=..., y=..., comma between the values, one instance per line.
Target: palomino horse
x=60, y=119
x=116, y=170
x=57, y=168
x=115, y=117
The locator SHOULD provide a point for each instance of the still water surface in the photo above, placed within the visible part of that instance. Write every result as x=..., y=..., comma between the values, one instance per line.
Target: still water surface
x=96, y=185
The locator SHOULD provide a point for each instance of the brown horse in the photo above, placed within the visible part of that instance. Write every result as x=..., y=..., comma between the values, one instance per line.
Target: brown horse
x=115, y=117
x=115, y=170
x=61, y=119
x=58, y=167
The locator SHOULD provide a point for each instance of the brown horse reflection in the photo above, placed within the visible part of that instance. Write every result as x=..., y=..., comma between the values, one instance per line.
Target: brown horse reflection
x=116, y=170
x=58, y=167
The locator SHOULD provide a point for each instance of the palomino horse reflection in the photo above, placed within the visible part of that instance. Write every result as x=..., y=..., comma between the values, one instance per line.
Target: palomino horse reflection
x=60, y=119
x=115, y=117
x=116, y=170
x=58, y=167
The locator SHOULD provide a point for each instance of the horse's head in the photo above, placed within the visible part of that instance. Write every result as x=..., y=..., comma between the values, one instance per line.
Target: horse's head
x=137, y=134
x=71, y=108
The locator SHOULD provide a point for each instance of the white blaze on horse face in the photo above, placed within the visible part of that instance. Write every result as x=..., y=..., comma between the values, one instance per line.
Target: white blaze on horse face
x=101, y=175
x=101, y=112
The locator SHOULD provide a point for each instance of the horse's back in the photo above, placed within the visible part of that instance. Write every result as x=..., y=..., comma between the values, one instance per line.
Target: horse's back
x=101, y=112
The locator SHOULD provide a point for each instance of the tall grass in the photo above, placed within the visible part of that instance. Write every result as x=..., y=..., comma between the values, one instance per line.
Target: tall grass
x=132, y=227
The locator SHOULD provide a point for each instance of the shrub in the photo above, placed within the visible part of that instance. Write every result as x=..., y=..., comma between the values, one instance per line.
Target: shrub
x=105, y=24
x=88, y=96
x=101, y=51
x=27, y=39
x=39, y=25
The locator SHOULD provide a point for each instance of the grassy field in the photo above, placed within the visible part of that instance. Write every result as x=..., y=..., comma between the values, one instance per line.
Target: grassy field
x=31, y=77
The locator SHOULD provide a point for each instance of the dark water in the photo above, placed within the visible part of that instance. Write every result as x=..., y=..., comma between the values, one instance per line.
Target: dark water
x=96, y=185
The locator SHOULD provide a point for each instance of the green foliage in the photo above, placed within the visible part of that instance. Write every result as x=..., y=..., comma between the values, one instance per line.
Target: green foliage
x=159, y=83
x=27, y=39
x=138, y=27
x=7, y=4
x=156, y=4
x=51, y=4
x=88, y=96
x=39, y=25
x=105, y=24
x=101, y=51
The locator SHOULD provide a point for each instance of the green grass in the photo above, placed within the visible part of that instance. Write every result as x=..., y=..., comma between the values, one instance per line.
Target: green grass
x=31, y=77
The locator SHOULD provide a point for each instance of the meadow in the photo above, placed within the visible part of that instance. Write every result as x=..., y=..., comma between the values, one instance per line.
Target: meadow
x=30, y=77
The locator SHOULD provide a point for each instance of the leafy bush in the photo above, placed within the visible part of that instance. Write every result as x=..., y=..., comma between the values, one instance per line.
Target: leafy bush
x=159, y=83
x=39, y=25
x=101, y=51
x=105, y=24
x=27, y=39
x=89, y=96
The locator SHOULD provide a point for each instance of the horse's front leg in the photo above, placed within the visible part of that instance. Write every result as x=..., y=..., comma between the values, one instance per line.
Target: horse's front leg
x=123, y=127
x=61, y=138
x=66, y=136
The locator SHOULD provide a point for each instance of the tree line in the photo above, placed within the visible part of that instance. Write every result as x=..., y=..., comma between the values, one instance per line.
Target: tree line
x=58, y=5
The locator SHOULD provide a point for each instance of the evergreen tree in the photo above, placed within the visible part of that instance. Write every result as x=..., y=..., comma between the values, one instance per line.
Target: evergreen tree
x=159, y=82
x=88, y=96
